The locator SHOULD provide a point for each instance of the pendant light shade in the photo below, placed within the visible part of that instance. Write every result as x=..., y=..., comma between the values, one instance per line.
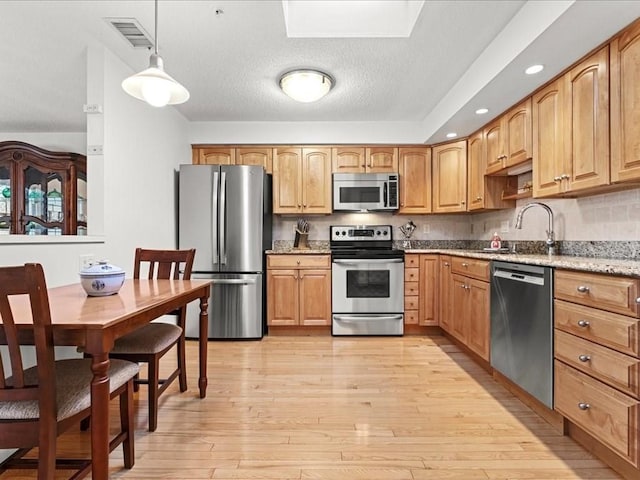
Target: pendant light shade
x=154, y=85
x=306, y=85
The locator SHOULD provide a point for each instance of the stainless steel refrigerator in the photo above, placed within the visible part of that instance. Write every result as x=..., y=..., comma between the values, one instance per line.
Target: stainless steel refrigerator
x=225, y=214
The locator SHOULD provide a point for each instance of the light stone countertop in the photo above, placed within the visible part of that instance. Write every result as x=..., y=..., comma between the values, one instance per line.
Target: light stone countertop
x=595, y=265
x=587, y=264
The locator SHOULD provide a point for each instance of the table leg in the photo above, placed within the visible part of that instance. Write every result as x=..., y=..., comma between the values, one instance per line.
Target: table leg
x=203, y=343
x=100, y=417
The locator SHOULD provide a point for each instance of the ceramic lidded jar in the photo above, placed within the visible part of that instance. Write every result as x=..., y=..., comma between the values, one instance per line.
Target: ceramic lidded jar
x=101, y=279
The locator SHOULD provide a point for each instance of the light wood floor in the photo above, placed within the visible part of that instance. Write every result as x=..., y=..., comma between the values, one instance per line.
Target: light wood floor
x=410, y=408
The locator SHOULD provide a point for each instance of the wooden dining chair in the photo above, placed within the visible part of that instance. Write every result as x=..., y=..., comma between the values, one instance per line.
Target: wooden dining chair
x=149, y=343
x=39, y=402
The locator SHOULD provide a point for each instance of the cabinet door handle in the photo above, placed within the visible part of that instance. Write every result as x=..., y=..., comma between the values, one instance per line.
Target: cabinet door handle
x=465, y=265
x=638, y=300
x=557, y=179
x=583, y=289
x=462, y=202
x=446, y=264
x=463, y=286
x=564, y=176
x=584, y=406
x=584, y=358
x=583, y=323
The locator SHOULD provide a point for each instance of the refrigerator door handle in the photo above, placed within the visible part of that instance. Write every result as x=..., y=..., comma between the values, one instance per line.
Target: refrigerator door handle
x=223, y=218
x=234, y=281
x=214, y=226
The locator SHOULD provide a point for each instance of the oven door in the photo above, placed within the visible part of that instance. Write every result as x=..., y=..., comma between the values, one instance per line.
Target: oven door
x=361, y=285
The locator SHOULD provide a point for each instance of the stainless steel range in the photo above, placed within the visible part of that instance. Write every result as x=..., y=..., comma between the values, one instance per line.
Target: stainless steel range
x=367, y=281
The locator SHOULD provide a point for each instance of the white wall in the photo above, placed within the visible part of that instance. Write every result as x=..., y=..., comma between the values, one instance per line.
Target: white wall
x=143, y=147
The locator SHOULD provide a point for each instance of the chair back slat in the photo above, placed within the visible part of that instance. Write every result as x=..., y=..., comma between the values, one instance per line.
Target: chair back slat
x=27, y=280
x=164, y=264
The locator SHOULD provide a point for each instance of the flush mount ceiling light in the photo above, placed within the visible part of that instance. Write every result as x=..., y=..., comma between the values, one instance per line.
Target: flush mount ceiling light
x=533, y=69
x=306, y=85
x=154, y=85
x=452, y=135
x=482, y=111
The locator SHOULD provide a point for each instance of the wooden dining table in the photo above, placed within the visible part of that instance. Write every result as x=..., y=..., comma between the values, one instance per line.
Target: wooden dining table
x=94, y=323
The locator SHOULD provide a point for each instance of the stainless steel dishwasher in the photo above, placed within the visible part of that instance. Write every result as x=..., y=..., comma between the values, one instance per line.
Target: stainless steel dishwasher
x=522, y=326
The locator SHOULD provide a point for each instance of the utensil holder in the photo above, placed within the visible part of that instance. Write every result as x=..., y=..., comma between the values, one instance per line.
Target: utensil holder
x=301, y=241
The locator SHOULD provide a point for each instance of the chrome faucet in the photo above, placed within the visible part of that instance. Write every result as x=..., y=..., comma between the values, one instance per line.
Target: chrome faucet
x=550, y=241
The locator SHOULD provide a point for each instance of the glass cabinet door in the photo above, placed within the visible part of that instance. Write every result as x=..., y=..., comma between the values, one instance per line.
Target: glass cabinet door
x=43, y=202
x=5, y=200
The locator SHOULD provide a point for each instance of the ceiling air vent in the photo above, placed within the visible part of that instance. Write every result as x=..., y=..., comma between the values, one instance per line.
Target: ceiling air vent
x=132, y=31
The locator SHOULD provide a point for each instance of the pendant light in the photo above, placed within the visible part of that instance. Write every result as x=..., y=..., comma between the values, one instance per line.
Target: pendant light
x=154, y=85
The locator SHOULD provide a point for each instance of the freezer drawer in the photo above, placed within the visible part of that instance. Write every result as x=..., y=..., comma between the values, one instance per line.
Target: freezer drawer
x=235, y=307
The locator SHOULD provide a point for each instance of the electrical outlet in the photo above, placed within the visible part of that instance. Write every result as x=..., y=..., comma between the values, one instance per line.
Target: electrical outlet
x=86, y=260
x=425, y=228
x=504, y=226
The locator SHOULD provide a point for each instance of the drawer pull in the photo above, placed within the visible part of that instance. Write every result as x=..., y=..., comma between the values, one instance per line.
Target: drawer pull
x=583, y=289
x=584, y=358
x=638, y=300
x=465, y=265
x=446, y=264
x=584, y=406
x=583, y=323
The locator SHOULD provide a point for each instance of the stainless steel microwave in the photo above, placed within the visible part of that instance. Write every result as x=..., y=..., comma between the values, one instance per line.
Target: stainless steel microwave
x=354, y=192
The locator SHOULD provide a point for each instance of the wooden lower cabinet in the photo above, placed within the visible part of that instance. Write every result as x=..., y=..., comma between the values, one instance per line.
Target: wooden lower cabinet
x=465, y=302
x=597, y=361
x=421, y=289
x=445, y=306
x=298, y=290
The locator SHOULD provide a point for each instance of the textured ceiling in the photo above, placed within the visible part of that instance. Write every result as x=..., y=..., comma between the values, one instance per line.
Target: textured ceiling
x=230, y=62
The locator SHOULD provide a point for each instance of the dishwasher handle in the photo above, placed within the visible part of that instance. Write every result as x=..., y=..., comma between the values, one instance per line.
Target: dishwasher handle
x=519, y=276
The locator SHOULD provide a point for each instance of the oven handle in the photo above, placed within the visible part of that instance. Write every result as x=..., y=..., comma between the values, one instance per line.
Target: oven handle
x=364, y=260
x=351, y=319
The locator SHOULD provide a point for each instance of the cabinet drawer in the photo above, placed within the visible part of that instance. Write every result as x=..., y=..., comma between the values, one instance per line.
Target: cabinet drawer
x=411, y=303
x=616, y=294
x=411, y=317
x=610, y=416
x=610, y=329
x=412, y=261
x=298, y=261
x=411, y=288
x=411, y=275
x=470, y=267
x=614, y=368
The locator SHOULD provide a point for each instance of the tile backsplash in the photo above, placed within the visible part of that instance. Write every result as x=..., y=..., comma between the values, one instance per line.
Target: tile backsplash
x=599, y=218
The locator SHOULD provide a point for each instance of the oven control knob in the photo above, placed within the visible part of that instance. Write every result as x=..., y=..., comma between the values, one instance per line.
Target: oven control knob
x=385, y=232
x=337, y=234
x=344, y=232
x=378, y=232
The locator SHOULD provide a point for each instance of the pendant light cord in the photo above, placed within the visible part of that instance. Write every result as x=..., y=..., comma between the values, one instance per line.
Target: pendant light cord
x=155, y=40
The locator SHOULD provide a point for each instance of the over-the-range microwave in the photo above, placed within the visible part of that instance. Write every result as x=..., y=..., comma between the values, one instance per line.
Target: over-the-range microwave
x=355, y=192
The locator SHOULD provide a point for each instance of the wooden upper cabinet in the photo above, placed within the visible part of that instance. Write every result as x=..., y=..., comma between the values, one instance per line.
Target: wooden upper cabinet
x=571, y=133
x=625, y=99
x=477, y=168
x=287, y=181
x=348, y=159
x=214, y=156
x=382, y=159
x=415, y=180
x=518, y=134
x=508, y=139
x=548, y=139
x=262, y=156
x=316, y=180
x=587, y=115
x=355, y=159
x=449, y=163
